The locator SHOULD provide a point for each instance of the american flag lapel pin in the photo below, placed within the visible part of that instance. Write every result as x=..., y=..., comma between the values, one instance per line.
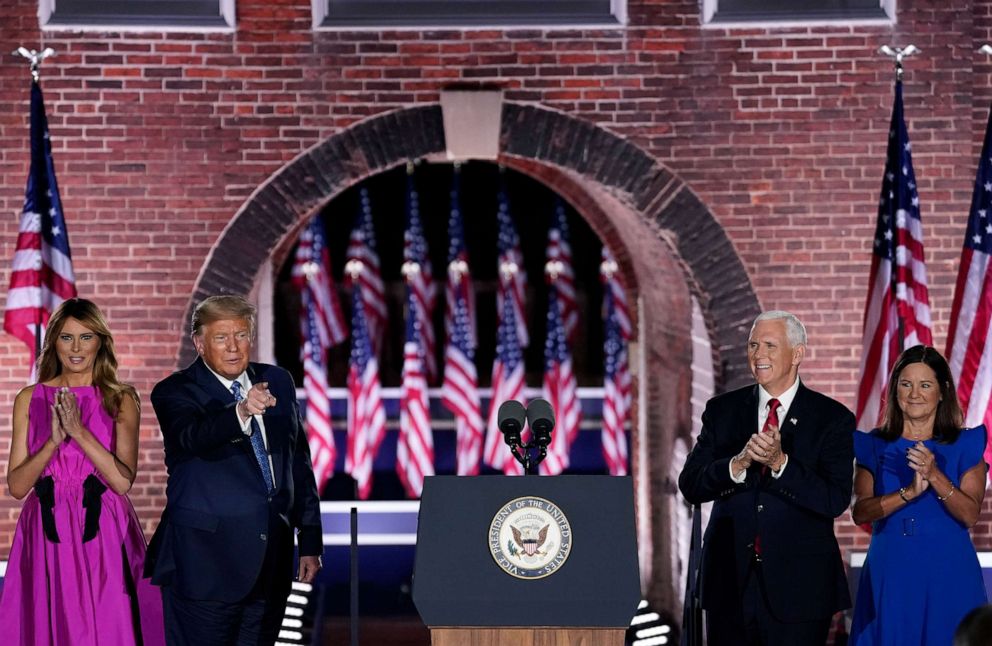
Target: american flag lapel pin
x=794, y=420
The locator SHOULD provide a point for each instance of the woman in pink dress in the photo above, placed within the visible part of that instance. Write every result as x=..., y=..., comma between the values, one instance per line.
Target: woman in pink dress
x=74, y=573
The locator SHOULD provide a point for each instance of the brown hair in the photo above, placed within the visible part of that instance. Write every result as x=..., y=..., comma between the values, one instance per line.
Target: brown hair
x=949, y=418
x=105, y=378
x=219, y=308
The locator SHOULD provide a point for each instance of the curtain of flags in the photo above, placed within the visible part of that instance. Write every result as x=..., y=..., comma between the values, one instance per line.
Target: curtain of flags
x=41, y=276
x=478, y=439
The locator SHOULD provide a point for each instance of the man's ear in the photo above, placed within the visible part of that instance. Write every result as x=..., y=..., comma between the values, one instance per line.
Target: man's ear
x=197, y=343
x=798, y=354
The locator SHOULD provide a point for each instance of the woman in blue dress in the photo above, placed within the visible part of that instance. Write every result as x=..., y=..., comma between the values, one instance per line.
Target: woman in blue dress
x=920, y=482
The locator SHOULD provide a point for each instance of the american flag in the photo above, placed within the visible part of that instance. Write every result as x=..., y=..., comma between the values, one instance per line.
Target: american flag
x=366, y=415
x=560, y=250
x=969, y=348
x=312, y=274
x=415, y=447
x=419, y=278
x=459, y=391
x=559, y=388
x=617, y=380
x=319, y=431
x=897, y=310
x=508, y=380
x=362, y=248
x=41, y=276
x=322, y=325
x=510, y=256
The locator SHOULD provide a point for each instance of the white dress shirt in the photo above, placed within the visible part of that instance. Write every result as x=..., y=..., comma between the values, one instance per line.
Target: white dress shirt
x=246, y=424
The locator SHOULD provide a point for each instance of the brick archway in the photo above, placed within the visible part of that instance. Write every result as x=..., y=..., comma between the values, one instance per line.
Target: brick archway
x=669, y=246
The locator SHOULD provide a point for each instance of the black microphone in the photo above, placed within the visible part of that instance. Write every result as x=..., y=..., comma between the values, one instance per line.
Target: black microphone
x=510, y=420
x=541, y=418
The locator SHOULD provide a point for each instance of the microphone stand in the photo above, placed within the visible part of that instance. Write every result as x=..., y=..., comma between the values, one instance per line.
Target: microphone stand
x=523, y=455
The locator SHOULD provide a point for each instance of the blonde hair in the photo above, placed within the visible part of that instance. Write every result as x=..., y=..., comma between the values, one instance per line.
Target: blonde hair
x=112, y=390
x=219, y=308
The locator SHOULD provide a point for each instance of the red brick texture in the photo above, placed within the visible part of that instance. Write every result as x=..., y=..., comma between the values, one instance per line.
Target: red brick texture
x=739, y=165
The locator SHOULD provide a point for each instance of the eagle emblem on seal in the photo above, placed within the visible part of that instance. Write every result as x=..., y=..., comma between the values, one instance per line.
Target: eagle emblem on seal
x=530, y=539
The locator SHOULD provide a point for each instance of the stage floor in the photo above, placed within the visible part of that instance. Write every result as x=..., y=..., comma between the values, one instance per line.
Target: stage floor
x=395, y=631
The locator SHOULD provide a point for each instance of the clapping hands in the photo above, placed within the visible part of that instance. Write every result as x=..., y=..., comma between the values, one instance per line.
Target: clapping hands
x=66, y=421
x=762, y=448
x=923, y=462
x=766, y=448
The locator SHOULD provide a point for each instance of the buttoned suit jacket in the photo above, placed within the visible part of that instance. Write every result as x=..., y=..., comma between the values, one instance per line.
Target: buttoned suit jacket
x=219, y=516
x=794, y=515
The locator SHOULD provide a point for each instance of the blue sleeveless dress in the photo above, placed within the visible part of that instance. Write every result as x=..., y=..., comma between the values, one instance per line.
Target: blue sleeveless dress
x=921, y=576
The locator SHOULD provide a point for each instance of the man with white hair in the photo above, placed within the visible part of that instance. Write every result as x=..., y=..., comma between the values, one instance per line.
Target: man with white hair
x=777, y=460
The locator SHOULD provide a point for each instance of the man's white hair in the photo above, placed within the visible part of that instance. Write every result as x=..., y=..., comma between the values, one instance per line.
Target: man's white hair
x=795, y=331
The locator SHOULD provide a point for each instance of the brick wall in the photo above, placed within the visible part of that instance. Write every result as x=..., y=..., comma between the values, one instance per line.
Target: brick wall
x=779, y=133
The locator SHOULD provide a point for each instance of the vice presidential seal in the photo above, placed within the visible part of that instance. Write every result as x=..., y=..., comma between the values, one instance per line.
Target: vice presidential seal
x=530, y=538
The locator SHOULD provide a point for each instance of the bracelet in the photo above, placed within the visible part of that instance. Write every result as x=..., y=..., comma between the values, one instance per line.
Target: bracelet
x=902, y=494
x=949, y=494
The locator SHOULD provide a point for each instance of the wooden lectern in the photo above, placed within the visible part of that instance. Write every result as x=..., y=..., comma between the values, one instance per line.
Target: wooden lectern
x=468, y=592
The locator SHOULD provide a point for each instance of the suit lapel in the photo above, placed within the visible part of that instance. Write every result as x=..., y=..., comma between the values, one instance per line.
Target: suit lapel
x=210, y=383
x=794, y=417
x=216, y=393
x=748, y=420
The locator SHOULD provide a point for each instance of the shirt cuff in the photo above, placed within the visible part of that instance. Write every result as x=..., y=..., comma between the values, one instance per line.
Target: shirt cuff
x=785, y=463
x=737, y=479
x=245, y=425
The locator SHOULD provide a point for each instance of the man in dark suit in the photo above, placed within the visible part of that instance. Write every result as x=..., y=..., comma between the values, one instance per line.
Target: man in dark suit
x=777, y=459
x=240, y=483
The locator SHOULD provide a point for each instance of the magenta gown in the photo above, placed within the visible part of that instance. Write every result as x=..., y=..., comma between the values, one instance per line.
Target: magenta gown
x=76, y=593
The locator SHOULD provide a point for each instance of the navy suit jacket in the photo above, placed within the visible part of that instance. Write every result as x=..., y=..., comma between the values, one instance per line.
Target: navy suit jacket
x=794, y=514
x=219, y=517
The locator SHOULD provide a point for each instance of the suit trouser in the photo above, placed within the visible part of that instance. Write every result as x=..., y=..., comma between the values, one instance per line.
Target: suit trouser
x=754, y=624
x=253, y=621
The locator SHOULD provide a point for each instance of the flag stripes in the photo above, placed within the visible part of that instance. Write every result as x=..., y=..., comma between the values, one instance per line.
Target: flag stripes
x=969, y=348
x=897, y=309
x=460, y=392
x=41, y=275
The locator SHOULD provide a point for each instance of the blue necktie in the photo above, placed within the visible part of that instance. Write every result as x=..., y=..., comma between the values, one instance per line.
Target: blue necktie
x=257, y=443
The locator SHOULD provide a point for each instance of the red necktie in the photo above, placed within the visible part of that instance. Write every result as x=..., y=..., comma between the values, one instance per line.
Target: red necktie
x=770, y=421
